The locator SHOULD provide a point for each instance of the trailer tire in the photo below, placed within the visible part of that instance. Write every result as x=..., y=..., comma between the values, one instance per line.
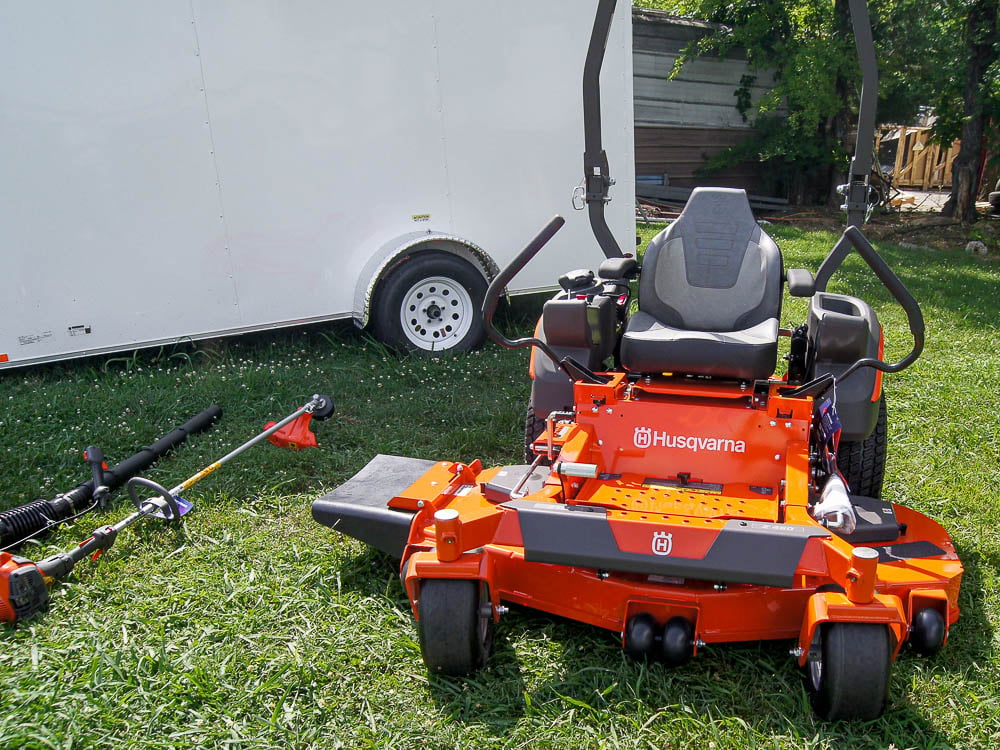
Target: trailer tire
x=430, y=301
x=862, y=462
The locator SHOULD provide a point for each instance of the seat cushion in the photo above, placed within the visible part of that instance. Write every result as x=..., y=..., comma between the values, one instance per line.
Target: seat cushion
x=748, y=354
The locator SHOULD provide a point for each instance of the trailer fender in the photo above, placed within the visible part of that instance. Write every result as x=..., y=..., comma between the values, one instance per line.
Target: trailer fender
x=398, y=249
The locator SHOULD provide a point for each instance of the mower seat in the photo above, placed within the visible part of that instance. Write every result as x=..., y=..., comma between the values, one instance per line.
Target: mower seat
x=709, y=294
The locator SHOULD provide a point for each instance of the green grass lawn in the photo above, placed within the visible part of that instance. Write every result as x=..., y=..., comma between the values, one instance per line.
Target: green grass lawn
x=251, y=626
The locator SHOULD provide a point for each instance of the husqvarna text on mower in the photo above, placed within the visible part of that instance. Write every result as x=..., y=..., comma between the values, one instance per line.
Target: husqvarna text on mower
x=679, y=493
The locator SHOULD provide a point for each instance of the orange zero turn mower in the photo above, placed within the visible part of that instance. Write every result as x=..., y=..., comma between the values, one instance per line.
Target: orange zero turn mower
x=679, y=493
x=676, y=490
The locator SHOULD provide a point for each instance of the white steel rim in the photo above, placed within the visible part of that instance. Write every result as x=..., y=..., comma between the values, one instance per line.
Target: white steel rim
x=436, y=313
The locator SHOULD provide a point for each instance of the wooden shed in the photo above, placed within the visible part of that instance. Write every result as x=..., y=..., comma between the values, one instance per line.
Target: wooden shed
x=915, y=161
x=681, y=122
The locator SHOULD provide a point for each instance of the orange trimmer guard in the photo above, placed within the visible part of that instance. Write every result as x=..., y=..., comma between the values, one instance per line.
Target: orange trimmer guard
x=295, y=435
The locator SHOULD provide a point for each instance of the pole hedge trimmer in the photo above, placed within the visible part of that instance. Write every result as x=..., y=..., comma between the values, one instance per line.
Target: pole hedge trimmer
x=37, y=518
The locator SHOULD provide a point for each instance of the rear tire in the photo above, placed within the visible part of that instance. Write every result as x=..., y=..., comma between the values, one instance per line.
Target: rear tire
x=863, y=462
x=456, y=634
x=533, y=427
x=851, y=678
x=431, y=301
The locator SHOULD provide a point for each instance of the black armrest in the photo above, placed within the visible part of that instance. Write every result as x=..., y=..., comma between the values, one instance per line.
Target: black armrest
x=800, y=282
x=618, y=268
x=581, y=278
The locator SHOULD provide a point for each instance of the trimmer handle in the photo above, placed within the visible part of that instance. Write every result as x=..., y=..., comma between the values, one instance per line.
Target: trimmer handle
x=94, y=457
x=169, y=507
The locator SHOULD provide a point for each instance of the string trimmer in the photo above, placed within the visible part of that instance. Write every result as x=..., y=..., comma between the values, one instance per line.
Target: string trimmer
x=24, y=585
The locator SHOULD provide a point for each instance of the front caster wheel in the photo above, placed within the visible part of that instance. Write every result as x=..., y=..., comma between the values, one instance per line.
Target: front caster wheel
x=928, y=632
x=850, y=680
x=456, y=626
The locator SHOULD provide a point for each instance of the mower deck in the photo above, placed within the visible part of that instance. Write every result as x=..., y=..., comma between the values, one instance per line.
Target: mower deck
x=359, y=507
x=627, y=521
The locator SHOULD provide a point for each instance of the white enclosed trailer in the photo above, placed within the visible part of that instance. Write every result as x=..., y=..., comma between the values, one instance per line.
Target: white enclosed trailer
x=182, y=170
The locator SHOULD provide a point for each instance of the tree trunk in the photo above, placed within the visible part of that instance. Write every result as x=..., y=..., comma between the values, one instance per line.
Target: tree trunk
x=981, y=41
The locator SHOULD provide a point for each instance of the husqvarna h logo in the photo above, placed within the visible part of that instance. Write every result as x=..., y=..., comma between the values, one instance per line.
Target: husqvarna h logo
x=643, y=437
x=663, y=543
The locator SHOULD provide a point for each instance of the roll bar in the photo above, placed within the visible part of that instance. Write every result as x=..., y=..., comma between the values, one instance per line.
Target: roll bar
x=861, y=164
x=596, y=172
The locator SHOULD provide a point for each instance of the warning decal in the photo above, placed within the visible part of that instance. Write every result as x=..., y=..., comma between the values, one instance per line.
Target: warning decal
x=33, y=338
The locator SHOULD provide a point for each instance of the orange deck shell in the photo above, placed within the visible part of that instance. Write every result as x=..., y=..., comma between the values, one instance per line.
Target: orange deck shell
x=773, y=460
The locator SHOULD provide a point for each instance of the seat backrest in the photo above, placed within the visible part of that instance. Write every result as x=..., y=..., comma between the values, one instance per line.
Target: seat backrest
x=714, y=268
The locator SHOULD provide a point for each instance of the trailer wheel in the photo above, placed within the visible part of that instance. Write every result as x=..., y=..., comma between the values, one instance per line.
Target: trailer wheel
x=850, y=680
x=456, y=625
x=431, y=301
x=862, y=462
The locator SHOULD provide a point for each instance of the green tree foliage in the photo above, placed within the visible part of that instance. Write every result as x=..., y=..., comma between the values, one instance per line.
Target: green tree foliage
x=964, y=24
x=804, y=126
x=807, y=48
x=911, y=38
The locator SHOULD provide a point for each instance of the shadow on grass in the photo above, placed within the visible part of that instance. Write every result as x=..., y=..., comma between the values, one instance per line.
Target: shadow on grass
x=971, y=639
x=944, y=282
x=372, y=573
x=544, y=668
x=754, y=688
x=493, y=697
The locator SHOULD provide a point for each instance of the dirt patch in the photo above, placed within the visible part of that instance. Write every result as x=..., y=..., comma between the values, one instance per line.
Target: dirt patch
x=915, y=229
x=936, y=232
x=908, y=228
